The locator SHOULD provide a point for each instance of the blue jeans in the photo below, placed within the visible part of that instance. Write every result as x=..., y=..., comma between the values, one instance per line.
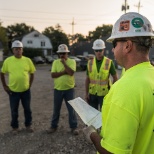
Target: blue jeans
x=25, y=98
x=96, y=101
x=67, y=95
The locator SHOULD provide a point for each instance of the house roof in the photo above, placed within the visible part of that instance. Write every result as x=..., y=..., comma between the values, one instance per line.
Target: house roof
x=35, y=33
x=36, y=39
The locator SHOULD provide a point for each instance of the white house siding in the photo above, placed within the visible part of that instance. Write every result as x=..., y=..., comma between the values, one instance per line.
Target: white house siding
x=34, y=39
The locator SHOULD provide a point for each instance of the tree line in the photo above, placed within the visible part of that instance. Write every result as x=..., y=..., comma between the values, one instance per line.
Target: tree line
x=54, y=33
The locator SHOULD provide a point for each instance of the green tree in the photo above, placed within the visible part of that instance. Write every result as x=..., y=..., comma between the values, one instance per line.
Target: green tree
x=3, y=38
x=78, y=38
x=56, y=36
x=100, y=32
x=18, y=31
x=77, y=41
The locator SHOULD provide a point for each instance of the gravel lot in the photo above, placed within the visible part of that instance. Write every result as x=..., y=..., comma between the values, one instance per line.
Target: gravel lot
x=39, y=142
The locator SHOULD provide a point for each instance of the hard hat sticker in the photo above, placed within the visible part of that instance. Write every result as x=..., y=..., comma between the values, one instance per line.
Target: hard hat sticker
x=138, y=30
x=124, y=25
x=98, y=45
x=137, y=22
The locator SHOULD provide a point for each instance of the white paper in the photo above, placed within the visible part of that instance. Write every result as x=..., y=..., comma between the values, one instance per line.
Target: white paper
x=88, y=114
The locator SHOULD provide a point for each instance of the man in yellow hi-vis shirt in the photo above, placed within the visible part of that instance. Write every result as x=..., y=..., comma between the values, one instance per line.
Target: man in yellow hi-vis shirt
x=128, y=108
x=21, y=74
x=62, y=72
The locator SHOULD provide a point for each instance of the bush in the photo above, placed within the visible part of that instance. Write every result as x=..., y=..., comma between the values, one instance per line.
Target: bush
x=31, y=52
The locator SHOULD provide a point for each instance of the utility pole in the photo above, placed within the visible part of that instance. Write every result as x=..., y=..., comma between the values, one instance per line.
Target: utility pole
x=72, y=30
x=73, y=26
x=138, y=6
x=125, y=7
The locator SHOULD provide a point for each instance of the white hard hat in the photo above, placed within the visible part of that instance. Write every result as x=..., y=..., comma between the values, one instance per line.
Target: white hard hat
x=98, y=44
x=131, y=24
x=62, y=48
x=17, y=44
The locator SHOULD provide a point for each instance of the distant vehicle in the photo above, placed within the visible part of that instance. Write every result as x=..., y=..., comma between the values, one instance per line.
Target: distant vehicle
x=76, y=59
x=55, y=57
x=38, y=60
x=49, y=59
x=90, y=56
x=83, y=62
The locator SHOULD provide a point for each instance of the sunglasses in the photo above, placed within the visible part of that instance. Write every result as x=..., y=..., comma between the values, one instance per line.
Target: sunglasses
x=121, y=40
x=114, y=43
x=98, y=50
x=62, y=53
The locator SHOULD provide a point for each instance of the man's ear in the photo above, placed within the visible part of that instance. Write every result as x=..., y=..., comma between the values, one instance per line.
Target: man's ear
x=129, y=45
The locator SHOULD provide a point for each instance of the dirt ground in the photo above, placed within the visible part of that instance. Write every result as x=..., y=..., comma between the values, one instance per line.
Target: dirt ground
x=39, y=142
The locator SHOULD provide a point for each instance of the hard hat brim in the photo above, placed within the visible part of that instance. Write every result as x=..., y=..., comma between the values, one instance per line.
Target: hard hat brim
x=112, y=38
x=63, y=51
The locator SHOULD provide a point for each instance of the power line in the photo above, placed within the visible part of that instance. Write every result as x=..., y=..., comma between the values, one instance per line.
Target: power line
x=52, y=13
x=85, y=19
x=44, y=22
x=53, y=20
x=34, y=18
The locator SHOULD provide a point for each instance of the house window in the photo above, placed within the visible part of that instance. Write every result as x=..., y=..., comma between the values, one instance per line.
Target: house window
x=29, y=42
x=42, y=44
x=36, y=35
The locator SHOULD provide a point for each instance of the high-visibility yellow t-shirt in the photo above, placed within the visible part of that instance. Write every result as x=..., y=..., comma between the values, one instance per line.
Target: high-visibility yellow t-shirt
x=63, y=82
x=18, y=70
x=122, y=72
x=128, y=113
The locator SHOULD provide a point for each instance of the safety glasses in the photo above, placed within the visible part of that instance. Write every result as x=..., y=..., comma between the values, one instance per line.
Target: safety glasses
x=122, y=40
x=114, y=43
x=98, y=50
x=62, y=53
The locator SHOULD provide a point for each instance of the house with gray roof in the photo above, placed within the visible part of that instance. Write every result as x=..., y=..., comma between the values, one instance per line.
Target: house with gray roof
x=37, y=40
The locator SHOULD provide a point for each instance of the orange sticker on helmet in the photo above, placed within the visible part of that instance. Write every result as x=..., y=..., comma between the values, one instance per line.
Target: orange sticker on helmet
x=124, y=25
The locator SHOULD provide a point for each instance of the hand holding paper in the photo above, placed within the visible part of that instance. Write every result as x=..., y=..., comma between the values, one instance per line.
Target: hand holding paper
x=88, y=114
x=87, y=132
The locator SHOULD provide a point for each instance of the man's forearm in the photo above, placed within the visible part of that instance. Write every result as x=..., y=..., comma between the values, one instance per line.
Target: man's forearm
x=5, y=86
x=96, y=139
x=3, y=80
x=68, y=70
x=31, y=79
x=57, y=74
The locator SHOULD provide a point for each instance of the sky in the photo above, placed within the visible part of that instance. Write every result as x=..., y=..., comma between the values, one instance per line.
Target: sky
x=85, y=14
